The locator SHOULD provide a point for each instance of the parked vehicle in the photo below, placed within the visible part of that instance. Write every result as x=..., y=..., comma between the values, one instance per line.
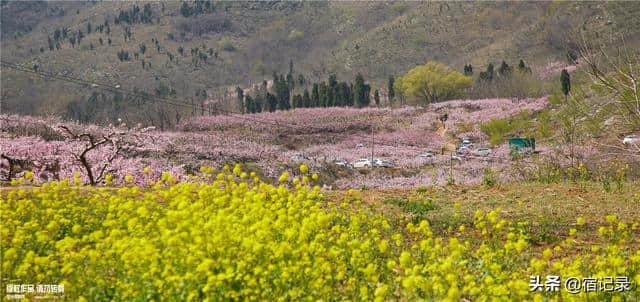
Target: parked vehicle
x=362, y=163
x=482, y=152
x=466, y=142
x=299, y=158
x=522, y=144
x=382, y=163
x=456, y=157
x=360, y=146
x=631, y=140
x=463, y=150
x=427, y=154
x=342, y=163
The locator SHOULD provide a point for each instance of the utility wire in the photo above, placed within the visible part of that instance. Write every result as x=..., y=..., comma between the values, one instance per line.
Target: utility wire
x=228, y=113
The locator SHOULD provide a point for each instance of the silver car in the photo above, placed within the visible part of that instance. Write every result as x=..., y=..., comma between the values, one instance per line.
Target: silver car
x=463, y=150
x=631, y=140
x=427, y=154
x=482, y=152
x=342, y=163
x=382, y=163
x=362, y=163
x=299, y=158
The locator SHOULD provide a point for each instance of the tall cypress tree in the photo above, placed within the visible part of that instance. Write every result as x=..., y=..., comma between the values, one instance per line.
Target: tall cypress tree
x=521, y=66
x=306, y=100
x=258, y=103
x=359, y=91
x=290, y=81
x=343, y=94
x=284, y=95
x=315, y=96
x=332, y=91
x=272, y=102
x=240, y=98
x=505, y=69
x=468, y=70
x=323, y=94
x=565, y=80
x=250, y=105
x=297, y=101
x=352, y=97
x=376, y=97
x=391, y=89
x=490, y=72
x=367, y=94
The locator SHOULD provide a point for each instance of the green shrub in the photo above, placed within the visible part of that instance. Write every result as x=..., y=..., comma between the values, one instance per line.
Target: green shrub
x=499, y=129
x=419, y=209
x=451, y=180
x=399, y=202
x=464, y=127
x=556, y=99
x=606, y=184
x=422, y=189
x=496, y=130
x=544, y=125
x=489, y=178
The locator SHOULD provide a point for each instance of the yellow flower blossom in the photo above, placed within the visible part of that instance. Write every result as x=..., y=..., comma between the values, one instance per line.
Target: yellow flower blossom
x=237, y=237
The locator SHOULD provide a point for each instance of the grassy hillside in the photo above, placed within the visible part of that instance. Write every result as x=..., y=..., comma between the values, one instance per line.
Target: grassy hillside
x=244, y=42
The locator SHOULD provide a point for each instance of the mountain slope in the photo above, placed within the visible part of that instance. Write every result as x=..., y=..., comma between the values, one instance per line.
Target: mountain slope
x=240, y=43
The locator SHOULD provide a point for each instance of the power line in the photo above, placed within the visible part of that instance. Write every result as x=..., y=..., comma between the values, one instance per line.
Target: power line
x=228, y=113
x=79, y=81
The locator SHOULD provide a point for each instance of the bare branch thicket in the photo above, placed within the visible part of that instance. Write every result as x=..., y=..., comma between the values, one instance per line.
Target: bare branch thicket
x=615, y=76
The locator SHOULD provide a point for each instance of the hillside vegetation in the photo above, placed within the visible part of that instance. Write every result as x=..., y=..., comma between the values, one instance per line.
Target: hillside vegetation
x=194, y=51
x=295, y=151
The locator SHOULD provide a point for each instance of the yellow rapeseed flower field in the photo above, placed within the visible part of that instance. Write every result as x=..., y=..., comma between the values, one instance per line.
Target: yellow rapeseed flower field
x=227, y=236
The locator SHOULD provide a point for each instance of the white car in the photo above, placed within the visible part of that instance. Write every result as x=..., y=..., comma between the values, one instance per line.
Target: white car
x=342, y=163
x=427, y=154
x=360, y=146
x=482, y=152
x=631, y=140
x=455, y=157
x=465, y=143
x=362, y=163
x=463, y=150
x=299, y=158
x=382, y=163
